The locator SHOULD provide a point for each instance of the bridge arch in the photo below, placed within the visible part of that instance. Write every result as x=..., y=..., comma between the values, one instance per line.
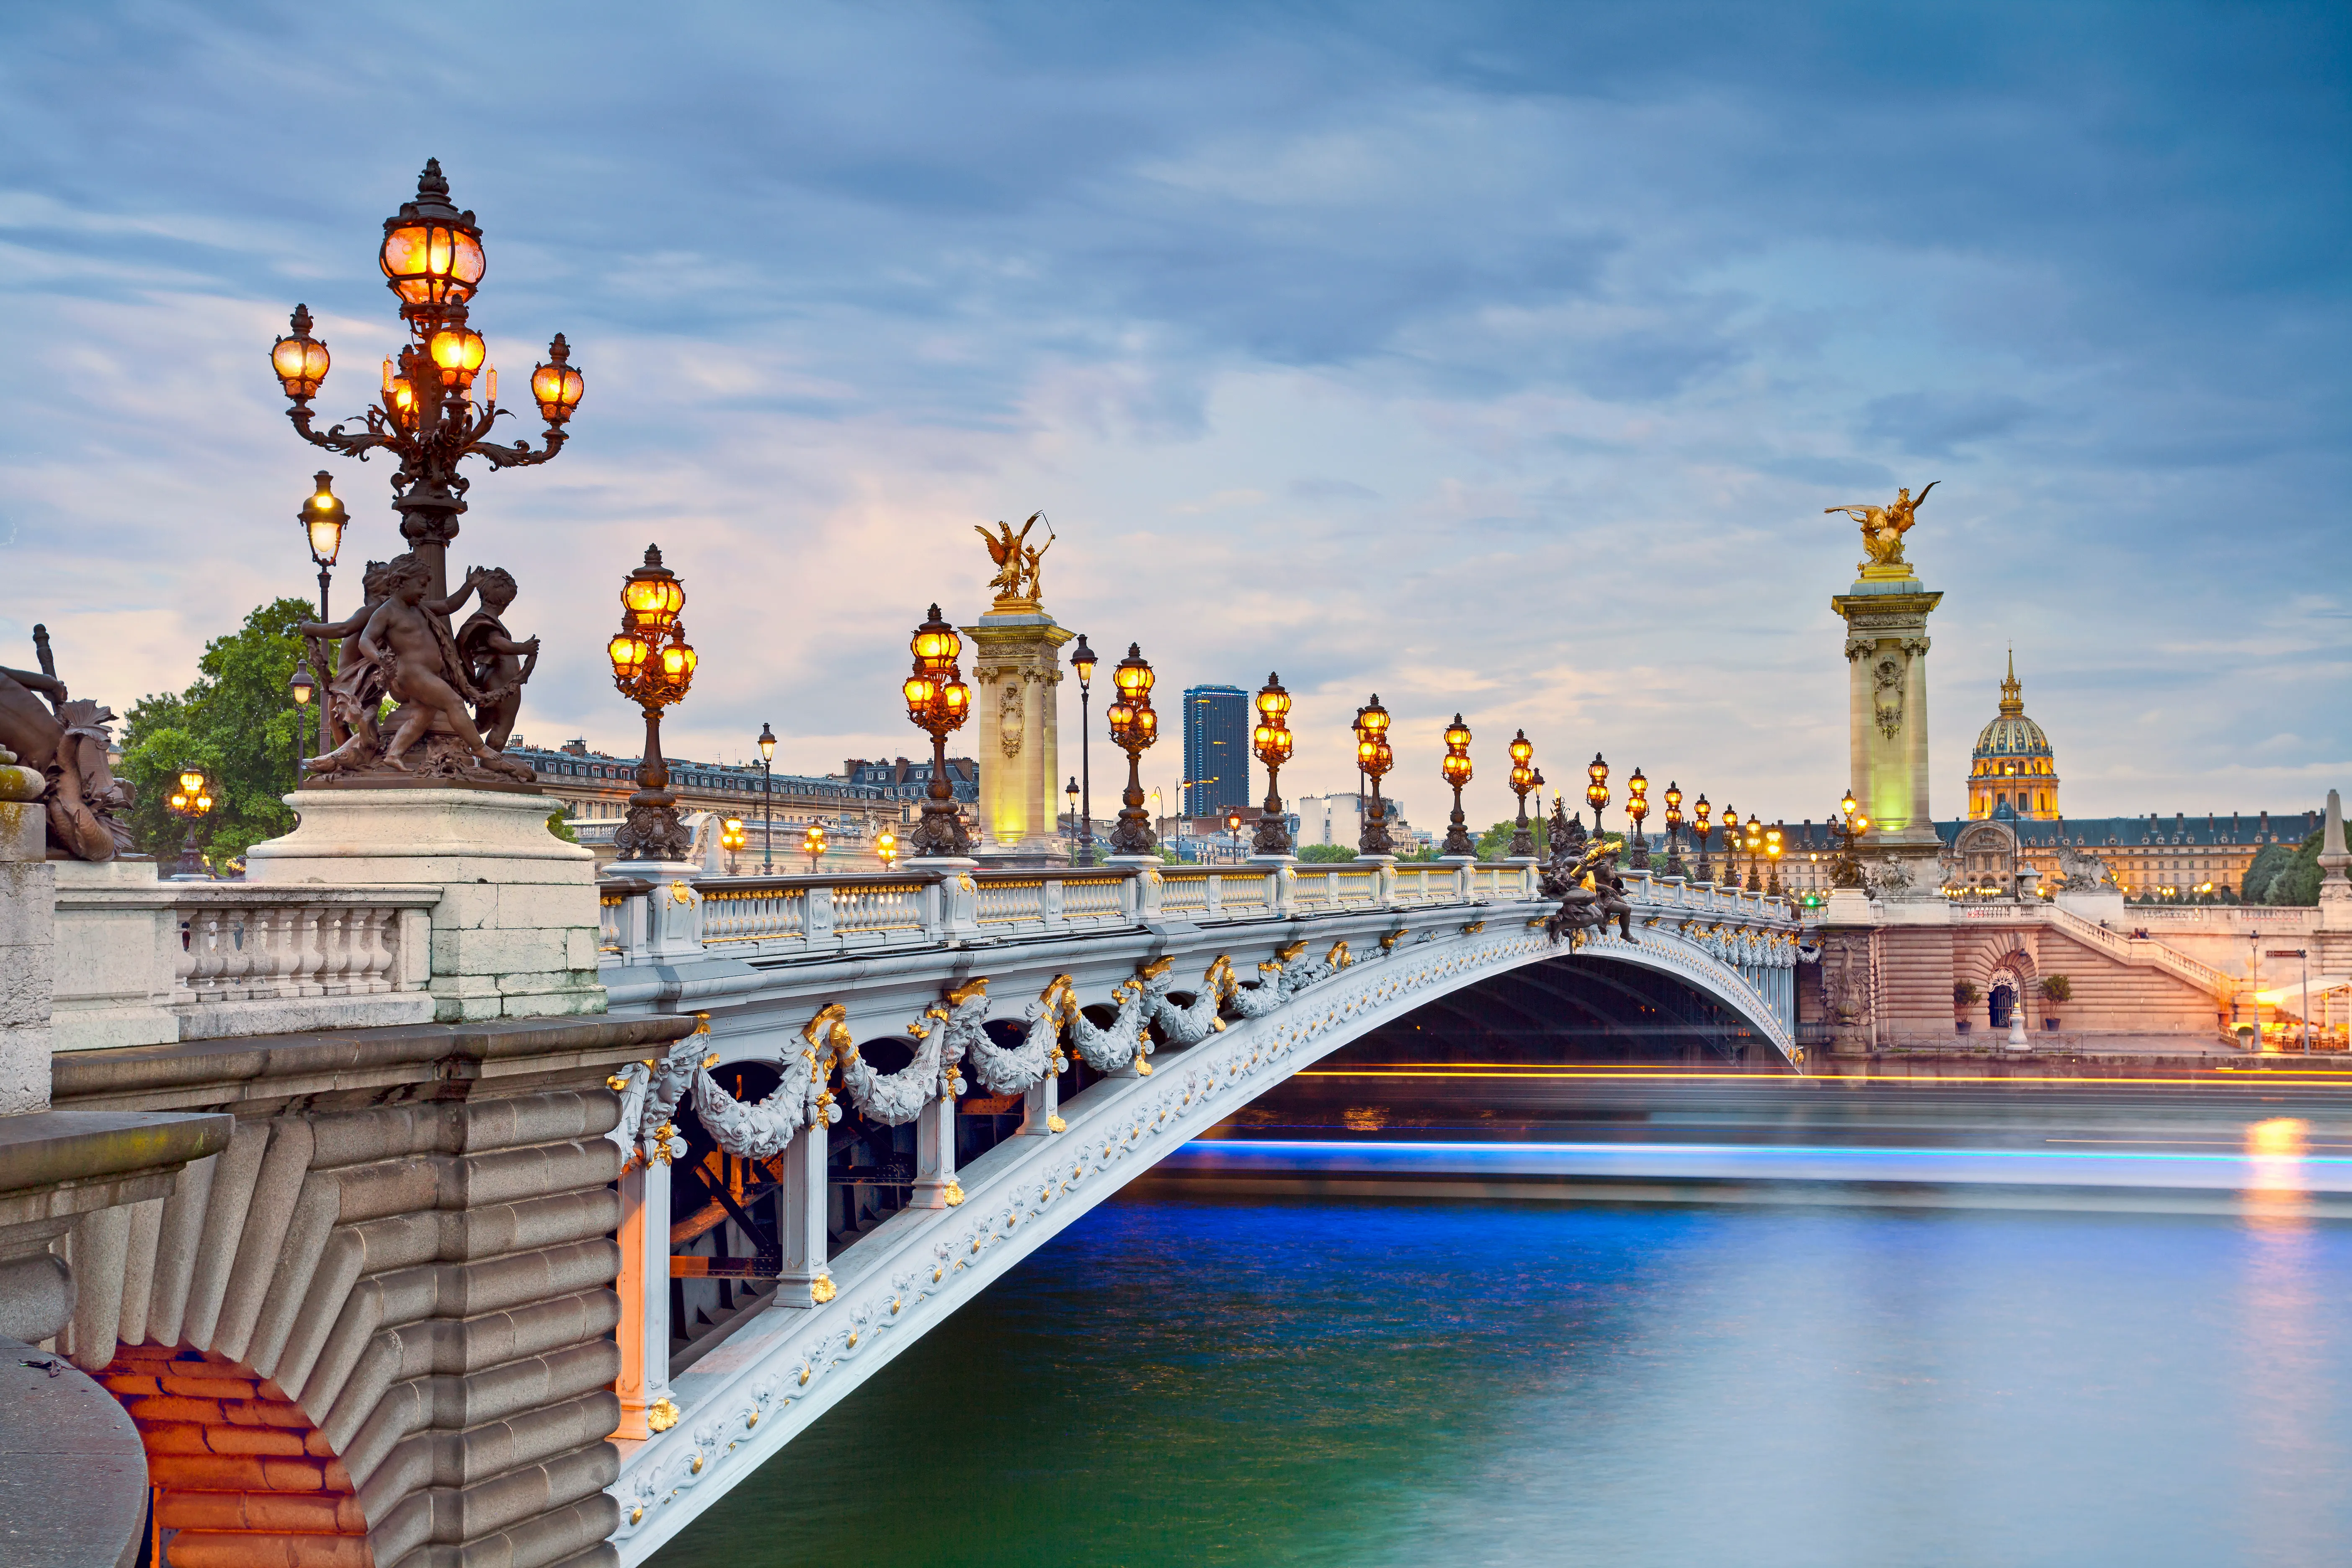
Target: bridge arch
x=1713, y=963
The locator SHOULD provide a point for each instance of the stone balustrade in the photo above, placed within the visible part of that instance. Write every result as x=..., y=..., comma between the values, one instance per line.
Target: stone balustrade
x=147, y=962
x=917, y=907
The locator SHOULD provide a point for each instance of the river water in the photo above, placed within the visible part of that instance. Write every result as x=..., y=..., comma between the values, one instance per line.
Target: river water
x=1195, y=1380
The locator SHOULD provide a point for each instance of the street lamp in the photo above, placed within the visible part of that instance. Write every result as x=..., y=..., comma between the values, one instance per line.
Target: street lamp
x=1524, y=778
x=885, y=849
x=813, y=844
x=1596, y=793
x=1134, y=726
x=937, y=701
x=428, y=414
x=1772, y=851
x=1754, y=838
x=1082, y=660
x=323, y=519
x=191, y=803
x=1272, y=741
x=1373, y=758
x=1233, y=826
x=1674, y=798
x=1455, y=770
x=1071, y=795
x=767, y=799
x=1637, y=807
x=1699, y=809
x=302, y=688
x=730, y=838
x=653, y=666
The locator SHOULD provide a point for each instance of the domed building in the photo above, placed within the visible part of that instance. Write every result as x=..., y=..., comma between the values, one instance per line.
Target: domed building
x=2013, y=772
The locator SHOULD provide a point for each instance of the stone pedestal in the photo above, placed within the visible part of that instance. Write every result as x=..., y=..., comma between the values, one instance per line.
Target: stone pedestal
x=1886, y=613
x=514, y=933
x=28, y=894
x=1016, y=665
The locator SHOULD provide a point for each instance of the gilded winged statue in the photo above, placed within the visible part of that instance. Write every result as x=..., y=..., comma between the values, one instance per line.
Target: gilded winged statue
x=1017, y=567
x=1882, y=527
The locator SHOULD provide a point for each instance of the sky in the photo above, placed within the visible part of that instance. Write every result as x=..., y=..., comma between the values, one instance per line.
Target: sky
x=1498, y=359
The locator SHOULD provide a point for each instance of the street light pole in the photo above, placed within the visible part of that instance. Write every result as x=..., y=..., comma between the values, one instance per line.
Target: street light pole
x=1272, y=742
x=323, y=519
x=1374, y=757
x=1082, y=660
x=653, y=666
x=767, y=799
x=1134, y=725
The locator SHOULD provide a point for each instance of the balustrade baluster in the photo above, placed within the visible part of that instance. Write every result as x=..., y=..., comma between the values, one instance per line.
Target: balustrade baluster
x=335, y=951
x=184, y=957
x=378, y=949
x=205, y=978
x=273, y=976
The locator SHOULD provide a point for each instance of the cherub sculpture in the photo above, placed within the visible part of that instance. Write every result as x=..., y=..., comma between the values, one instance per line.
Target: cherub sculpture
x=1882, y=527
x=1017, y=565
x=354, y=691
x=495, y=662
x=403, y=650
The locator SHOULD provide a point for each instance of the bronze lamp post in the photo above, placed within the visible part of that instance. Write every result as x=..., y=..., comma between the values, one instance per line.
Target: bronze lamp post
x=1455, y=771
x=1134, y=726
x=1082, y=660
x=1373, y=758
x=730, y=838
x=1674, y=798
x=937, y=701
x=653, y=666
x=1700, y=827
x=767, y=798
x=1272, y=741
x=1773, y=849
x=813, y=844
x=323, y=519
x=191, y=803
x=428, y=414
x=1637, y=807
x=1596, y=793
x=1523, y=779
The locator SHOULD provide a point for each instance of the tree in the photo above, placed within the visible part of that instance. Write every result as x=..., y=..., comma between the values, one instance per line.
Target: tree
x=2284, y=875
x=237, y=723
x=1324, y=854
x=1494, y=844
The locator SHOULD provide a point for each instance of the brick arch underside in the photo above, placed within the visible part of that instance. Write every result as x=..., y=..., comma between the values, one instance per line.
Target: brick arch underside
x=426, y=1288
x=241, y=1476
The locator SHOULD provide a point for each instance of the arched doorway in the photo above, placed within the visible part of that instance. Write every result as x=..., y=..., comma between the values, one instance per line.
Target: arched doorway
x=2003, y=1000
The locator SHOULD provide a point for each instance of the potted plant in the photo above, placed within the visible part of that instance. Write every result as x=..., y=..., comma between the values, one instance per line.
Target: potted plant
x=1965, y=995
x=2055, y=989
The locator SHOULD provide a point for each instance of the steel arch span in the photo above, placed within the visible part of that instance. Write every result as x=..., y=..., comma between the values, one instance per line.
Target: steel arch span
x=774, y=1374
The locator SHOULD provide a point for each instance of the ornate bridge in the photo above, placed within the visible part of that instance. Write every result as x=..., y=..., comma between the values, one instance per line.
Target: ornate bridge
x=904, y=1084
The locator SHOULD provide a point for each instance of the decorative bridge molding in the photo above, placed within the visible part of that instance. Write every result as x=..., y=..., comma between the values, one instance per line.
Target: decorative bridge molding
x=796, y=973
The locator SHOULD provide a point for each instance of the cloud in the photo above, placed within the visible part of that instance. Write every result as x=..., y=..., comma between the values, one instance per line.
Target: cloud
x=1492, y=358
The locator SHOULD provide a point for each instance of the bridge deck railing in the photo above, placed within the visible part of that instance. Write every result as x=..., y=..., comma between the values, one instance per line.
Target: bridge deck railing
x=916, y=906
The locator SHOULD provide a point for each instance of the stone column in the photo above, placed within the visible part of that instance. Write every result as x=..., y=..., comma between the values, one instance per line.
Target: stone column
x=1886, y=613
x=1016, y=667
x=28, y=897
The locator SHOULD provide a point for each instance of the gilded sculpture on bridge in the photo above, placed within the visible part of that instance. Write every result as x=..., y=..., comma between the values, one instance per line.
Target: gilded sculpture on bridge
x=1882, y=527
x=1019, y=565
